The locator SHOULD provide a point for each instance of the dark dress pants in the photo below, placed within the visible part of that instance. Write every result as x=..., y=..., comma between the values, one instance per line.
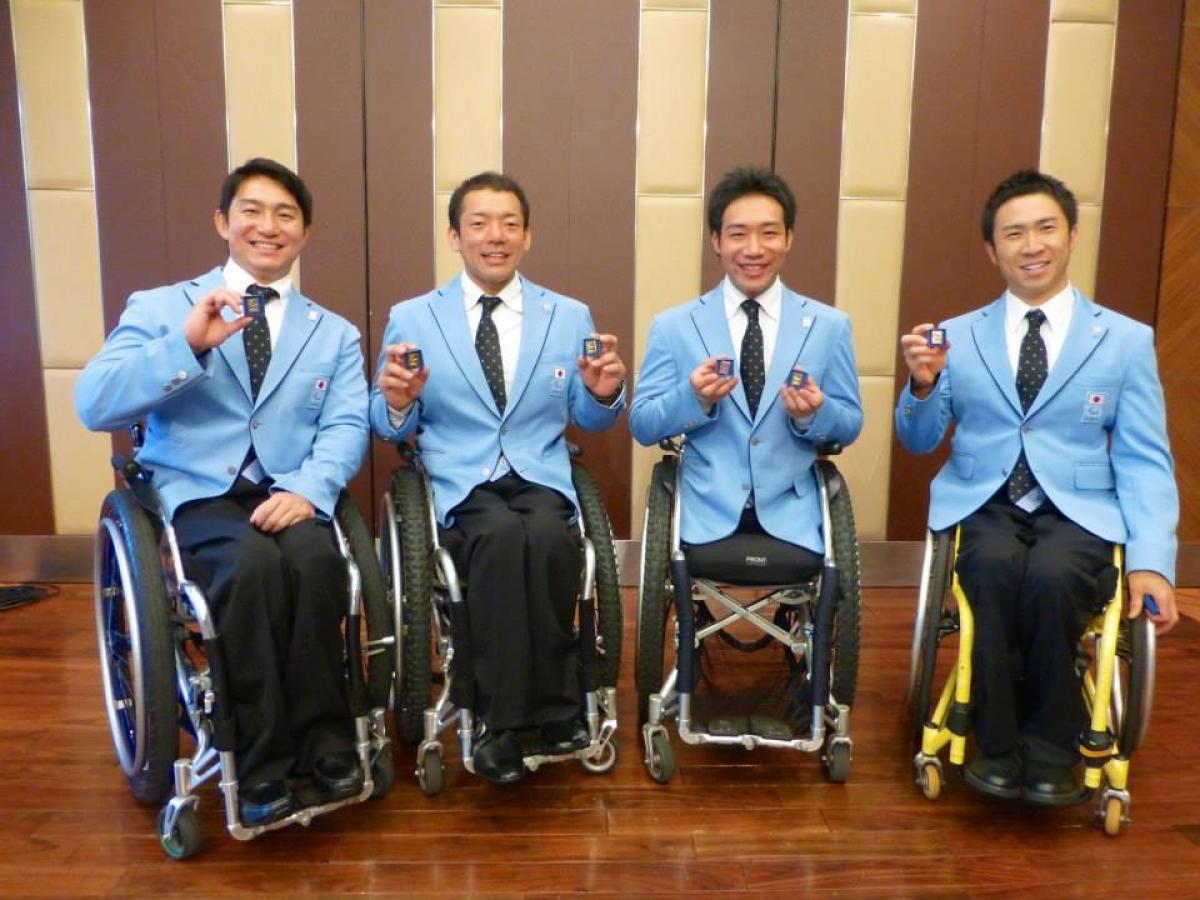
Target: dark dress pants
x=514, y=542
x=1031, y=580
x=278, y=601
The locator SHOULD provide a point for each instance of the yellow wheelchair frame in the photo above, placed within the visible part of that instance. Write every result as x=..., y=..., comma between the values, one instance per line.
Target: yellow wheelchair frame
x=1118, y=708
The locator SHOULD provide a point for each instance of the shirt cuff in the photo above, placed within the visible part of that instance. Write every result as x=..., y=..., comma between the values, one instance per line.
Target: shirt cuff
x=396, y=417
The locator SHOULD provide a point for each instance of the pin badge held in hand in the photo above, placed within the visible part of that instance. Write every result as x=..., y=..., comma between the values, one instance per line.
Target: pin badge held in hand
x=593, y=347
x=252, y=305
x=797, y=378
x=413, y=359
x=725, y=367
x=935, y=337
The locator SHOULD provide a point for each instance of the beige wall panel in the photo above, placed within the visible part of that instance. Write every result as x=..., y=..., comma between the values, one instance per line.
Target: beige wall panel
x=667, y=250
x=80, y=473
x=445, y=261
x=641, y=464
x=467, y=93
x=260, y=92
x=1084, y=11
x=866, y=462
x=878, y=102
x=1087, y=249
x=903, y=7
x=870, y=258
x=674, y=4
x=1079, y=65
x=70, y=313
x=495, y=4
x=52, y=74
x=670, y=155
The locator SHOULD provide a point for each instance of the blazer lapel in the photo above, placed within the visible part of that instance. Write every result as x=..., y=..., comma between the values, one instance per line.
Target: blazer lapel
x=711, y=323
x=1083, y=337
x=451, y=318
x=233, y=350
x=990, y=341
x=537, y=311
x=300, y=319
x=796, y=323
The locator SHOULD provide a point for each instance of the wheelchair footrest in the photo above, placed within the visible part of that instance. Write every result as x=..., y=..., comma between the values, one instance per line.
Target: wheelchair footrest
x=761, y=726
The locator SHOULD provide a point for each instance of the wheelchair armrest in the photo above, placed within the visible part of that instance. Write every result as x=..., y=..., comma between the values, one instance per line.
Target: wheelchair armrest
x=670, y=444
x=139, y=481
x=832, y=448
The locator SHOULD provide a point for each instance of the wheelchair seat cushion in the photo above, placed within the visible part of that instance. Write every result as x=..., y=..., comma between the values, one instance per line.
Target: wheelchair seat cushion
x=752, y=559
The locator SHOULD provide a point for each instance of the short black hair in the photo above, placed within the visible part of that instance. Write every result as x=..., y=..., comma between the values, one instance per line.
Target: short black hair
x=487, y=181
x=277, y=172
x=1021, y=183
x=746, y=180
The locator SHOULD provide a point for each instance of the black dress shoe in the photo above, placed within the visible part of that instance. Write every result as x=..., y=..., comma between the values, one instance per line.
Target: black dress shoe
x=337, y=775
x=564, y=737
x=498, y=757
x=1052, y=785
x=996, y=776
x=265, y=802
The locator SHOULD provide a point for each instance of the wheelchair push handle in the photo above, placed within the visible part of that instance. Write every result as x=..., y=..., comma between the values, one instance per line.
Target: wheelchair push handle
x=1150, y=605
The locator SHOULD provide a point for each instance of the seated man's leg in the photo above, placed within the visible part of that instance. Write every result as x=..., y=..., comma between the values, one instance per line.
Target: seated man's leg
x=315, y=681
x=1059, y=594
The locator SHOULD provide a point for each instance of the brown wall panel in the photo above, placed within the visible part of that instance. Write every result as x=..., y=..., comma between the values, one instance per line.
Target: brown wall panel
x=570, y=104
x=330, y=153
x=977, y=108
x=808, y=142
x=741, y=97
x=1139, y=155
x=25, y=500
x=398, y=72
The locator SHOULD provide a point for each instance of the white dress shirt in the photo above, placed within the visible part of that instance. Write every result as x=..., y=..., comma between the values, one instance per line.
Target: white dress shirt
x=507, y=315
x=769, y=302
x=238, y=279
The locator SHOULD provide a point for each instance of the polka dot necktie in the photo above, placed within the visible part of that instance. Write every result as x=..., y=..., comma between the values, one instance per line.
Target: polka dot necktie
x=1031, y=373
x=487, y=345
x=753, y=371
x=257, y=337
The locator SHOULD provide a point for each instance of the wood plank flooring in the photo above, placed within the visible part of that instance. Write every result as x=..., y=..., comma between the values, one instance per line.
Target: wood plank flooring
x=730, y=823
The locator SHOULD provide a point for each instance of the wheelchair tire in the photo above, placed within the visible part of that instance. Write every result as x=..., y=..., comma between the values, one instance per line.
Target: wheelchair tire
x=414, y=670
x=608, y=578
x=137, y=653
x=847, y=622
x=186, y=838
x=380, y=660
x=654, y=590
x=923, y=656
x=1135, y=667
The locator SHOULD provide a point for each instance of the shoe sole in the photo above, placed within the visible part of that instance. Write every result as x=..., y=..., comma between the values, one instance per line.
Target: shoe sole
x=1041, y=799
x=990, y=789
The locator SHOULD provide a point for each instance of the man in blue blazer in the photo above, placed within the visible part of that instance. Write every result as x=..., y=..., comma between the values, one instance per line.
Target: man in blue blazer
x=502, y=376
x=255, y=405
x=1060, y=450
x=751, y=438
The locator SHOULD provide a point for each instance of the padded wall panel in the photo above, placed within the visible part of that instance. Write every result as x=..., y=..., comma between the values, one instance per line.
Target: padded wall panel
x=870, y=252
x=260, y=92
x=80, y=471
x=467, y=92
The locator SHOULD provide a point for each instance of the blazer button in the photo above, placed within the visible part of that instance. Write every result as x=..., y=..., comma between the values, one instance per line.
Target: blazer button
x=182, y=376
x=232, y=470
x=166, y=389
x=504, y=430
x=754, y=442
x=1025, y=429
x=255, y=423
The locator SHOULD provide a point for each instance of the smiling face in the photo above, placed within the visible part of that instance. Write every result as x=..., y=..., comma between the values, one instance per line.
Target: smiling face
x=491, y=237
x=753, y=242
x=265, y=229
x=1032, y=246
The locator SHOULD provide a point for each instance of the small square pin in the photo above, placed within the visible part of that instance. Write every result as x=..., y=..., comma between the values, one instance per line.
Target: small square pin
x=593, y=348
x=935, y=337
x=797, y=378
x=725, y=367
x=413, y=359
x=252, y=305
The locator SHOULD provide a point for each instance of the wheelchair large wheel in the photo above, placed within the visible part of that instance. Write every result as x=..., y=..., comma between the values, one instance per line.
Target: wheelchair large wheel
x=654, y=592
x=922, y=667
x=137, y=655
x=608, y=578
x=409, y=571
x=846, y=625
x=376, y=613
x=1134, y=676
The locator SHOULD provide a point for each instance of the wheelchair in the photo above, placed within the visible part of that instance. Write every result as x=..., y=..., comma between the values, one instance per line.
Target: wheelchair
x=163, y=669
x=429, y=610
x=816, y=619
x=1115, y=662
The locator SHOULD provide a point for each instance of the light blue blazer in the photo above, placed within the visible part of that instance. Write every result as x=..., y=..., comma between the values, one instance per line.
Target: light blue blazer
x=308, y=426
x=1095, y=436
x=728, y=452
x=460, y=432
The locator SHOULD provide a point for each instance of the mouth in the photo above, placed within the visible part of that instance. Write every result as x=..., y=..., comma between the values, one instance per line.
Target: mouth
x=266, y=246
x=1035, y=268
x=495, y=259
x=752, y=270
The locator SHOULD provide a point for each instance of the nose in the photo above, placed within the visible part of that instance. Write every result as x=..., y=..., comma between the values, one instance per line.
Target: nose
x=267, y=223
x=1032, y=242
x=495, y=232
x=753, y=244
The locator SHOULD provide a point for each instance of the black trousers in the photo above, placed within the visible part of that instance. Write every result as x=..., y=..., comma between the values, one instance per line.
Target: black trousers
x=514, y=543
x=278, y=601
x=1032, y=582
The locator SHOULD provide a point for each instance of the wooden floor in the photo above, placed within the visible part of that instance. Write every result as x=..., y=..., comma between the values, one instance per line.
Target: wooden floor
x=731, y=822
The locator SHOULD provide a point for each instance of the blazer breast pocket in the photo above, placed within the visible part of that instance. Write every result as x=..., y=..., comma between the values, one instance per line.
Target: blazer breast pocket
x=1094, y=476
x=962, y=465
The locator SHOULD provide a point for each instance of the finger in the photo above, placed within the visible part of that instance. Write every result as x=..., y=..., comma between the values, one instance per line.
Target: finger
x=1135, y=605
x=921, y=329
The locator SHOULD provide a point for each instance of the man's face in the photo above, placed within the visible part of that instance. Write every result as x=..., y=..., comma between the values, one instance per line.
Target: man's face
x=265, y=228
x=1031, y=246
x=753, y=242
x=491, y=237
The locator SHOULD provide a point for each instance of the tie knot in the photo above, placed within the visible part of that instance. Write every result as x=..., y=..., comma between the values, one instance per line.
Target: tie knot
x=1036, y=319
x=751, y=308
x=260, y=290
x=489, y=303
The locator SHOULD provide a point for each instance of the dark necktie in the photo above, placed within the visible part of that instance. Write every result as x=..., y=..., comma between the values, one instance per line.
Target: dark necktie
x=487, y=345
x=1031, y=373
x=257, y=338
x=753, y=372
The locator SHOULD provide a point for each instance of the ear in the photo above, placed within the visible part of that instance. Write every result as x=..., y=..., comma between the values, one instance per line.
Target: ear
x=991, y=252
x=528, y=242
x=1071, y=239
x=790, y=236
x=453, y=240
x=221, y=223
x=715, y=239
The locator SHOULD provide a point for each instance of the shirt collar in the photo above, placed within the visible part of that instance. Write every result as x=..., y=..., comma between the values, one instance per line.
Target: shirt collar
x=1057, y=309
x=238, y=279
x=769, y=300
x=511, y=295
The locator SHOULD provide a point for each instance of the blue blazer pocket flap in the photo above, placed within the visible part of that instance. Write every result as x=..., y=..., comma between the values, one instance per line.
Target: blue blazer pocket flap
x=1094, y=476
x=962, y=464
x=805, y=483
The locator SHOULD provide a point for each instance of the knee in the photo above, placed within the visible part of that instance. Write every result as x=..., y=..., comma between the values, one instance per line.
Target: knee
x=256, y=559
